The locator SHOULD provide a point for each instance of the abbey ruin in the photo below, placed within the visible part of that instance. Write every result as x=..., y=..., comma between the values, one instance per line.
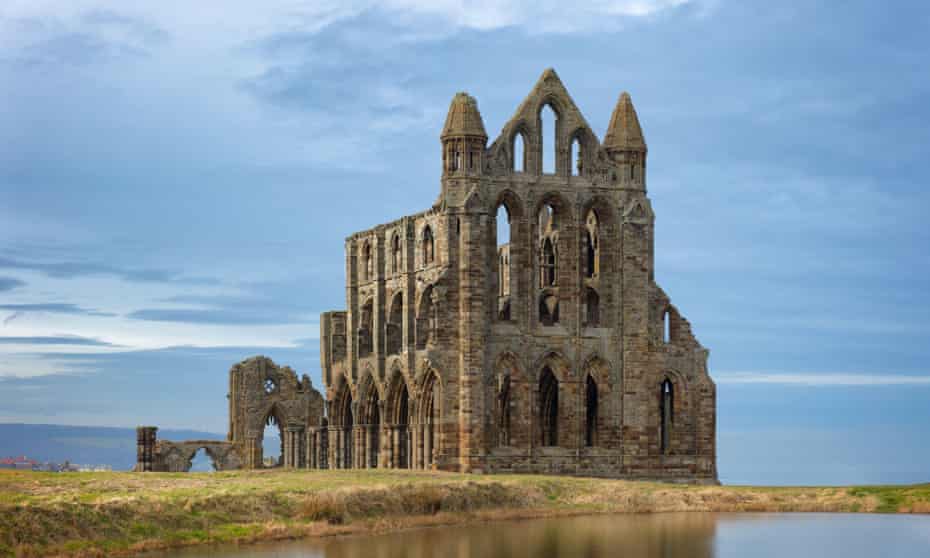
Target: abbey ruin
x=552, y=350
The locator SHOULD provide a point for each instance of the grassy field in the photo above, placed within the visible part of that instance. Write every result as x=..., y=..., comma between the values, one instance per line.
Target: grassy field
x=111, y=514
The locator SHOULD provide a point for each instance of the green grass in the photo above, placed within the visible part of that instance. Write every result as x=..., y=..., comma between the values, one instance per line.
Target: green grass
x=108, y=514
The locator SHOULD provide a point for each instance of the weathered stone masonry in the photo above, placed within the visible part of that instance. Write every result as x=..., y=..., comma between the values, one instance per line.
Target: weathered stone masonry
x=552, y=351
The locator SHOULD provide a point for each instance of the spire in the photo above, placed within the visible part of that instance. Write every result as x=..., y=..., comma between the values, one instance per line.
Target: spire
x=624, y=132
x=463, y=118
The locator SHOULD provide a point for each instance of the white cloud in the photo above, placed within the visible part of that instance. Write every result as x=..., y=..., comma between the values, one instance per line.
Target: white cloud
x=821, y=379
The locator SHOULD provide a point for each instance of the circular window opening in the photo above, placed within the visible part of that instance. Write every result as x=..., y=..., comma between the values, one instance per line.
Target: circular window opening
x=270, y=385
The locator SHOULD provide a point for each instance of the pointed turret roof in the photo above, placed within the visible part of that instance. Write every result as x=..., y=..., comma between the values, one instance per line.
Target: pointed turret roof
x=624, y=132
x=463, y=118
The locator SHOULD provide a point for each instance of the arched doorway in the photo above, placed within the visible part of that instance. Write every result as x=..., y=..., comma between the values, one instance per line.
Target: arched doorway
x=272, y=446
x=373, y=427
x=548, y=408
x=400, y=427
x=430, y=418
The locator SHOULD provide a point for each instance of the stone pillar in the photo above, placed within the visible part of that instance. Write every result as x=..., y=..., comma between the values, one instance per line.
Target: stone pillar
x=146, y=437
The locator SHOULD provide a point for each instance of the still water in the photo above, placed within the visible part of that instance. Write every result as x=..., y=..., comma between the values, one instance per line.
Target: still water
x=630, y=536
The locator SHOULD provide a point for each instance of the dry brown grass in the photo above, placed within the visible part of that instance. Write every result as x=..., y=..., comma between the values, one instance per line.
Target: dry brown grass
x=112, y=514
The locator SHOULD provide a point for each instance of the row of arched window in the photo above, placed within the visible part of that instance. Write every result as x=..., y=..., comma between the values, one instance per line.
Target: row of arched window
x=548, y=145
x=427, y=254
x=425, y=331
x=547, y=254
x=548, y=415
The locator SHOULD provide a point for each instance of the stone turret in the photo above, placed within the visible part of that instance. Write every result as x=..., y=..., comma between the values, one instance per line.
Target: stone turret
x=625, y=143
x=463, y=137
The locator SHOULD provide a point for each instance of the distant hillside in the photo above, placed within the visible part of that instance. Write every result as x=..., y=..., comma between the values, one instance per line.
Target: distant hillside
x=83, y=444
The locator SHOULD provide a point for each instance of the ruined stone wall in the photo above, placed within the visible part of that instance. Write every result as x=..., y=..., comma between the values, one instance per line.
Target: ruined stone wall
x=428, y=322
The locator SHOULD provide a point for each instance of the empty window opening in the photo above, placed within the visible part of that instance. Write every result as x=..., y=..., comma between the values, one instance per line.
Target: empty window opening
x=592, y=310
x=348, y=424
x=201, y=462
x=666, y=411
x=503, y=234
x=426, y=319
x=396, y=254
x=395, y=325
x=549, y=408
x=374, y=428
x=431, y=418
x=367, y=265
x=666, y=327
x=272, y=448
x=428, y=245
x=503, y=402
x=401, y=443
x=548, y=132
x=519, y=152
x=592, y=245
x=547, y=264
x=590, y=424
x=365, y=336
x=576, y=157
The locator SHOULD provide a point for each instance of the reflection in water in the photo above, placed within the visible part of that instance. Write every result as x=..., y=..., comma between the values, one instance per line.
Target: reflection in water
x=694, y=535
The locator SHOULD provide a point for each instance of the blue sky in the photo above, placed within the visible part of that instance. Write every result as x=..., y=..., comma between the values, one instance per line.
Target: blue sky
x=176, y=182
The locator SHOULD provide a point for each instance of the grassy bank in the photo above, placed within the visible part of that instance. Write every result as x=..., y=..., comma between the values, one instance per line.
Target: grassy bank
x=108, y=514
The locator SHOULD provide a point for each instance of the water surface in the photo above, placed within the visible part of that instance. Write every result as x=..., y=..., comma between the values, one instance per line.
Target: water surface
x=684, y=535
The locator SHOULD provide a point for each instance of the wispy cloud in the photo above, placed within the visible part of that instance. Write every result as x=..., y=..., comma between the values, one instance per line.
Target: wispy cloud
x=10, y=283
x=53, y=308
x=822, y=379
x=56, y=340
x=70, y=270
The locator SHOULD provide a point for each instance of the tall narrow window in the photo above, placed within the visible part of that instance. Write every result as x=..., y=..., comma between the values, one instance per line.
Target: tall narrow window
x=576, y=157
x=547, y=265
x=666, y=410
x=503, y=396
x=503, y=263
x=365, y=337
x=549, y=408
x=367, y=274
x=666, y=327
x=548, y=133
x=428, y=245
x=396, y=254
x=425, y=324
x=592, y=247
x=395, y=327
x=590, y=424
x=519, y=152
x=592, y=310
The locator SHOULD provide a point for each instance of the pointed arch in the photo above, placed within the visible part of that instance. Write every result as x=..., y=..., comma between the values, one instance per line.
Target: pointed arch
x=429, y=246
x=549, y=124
x=425, y=319
x=367, y=262
x=548, y=408
x=398, y=418
x=592, y=308
x=592, y=256
x=371, y=421
x=591, y=412
x=396, y=254
x=666, y=414
x=430, y=419
x=344, y=422
x=365, y=328
x=518, y=151
x=394, y=327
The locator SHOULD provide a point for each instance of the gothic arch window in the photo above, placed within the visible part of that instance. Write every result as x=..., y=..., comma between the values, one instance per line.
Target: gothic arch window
x=666, y=327
x=367, y=264
x=592, y=308
x=400, y=418
x=426, y=319
x=395, y=325
x=430, y=406
x=503, y=402
x=519, y=152
x=666, y=414
x=428, y=245
x=373, y=426
x=365, y=336
x=504, y=244
x=548, y=309
x=548, y=132
x=347, y=423
x=548, y=408
x=577, y=166
x=547, y=223
x=396, y=254
x=591, y=402
x=592, y=245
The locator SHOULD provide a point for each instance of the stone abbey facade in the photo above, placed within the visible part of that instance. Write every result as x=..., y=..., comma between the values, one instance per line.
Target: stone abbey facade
x=551, y=351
